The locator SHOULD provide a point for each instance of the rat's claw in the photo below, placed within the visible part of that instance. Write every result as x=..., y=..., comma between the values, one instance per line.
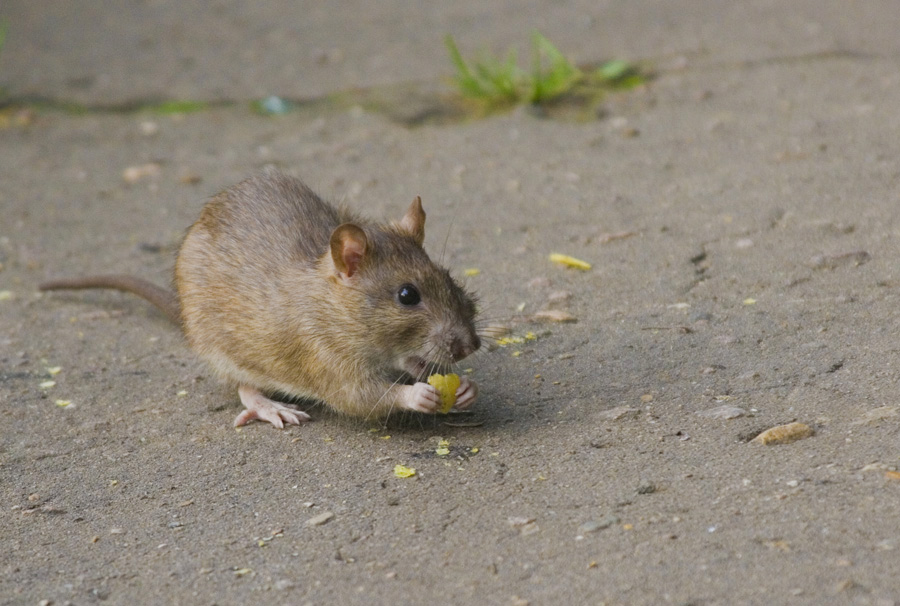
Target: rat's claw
x=262, y=408
x=420, y=397
x=466, y=394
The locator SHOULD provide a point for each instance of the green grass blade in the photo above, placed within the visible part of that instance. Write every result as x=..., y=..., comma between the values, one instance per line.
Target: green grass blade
x=468, y=83
x=4, y=25
x=560, y=76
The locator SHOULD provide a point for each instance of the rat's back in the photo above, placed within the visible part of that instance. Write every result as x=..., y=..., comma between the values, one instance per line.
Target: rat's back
x=231, y=269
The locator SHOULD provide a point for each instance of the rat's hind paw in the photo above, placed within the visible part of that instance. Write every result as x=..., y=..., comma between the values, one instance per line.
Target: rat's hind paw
x=262, y=408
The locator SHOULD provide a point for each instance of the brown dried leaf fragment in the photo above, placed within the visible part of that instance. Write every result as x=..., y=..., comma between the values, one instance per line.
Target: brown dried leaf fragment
x=554, y=315
x=784, y=434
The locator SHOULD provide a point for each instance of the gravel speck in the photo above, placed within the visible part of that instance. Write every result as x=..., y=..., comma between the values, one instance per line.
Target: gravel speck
x=320, y=519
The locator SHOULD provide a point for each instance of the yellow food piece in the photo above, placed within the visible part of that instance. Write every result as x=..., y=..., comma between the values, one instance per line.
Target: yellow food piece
x=401, y=471
x=472, y=271
x=570, y=261
x=516, y=340
x=446, y=386
x=784, y=434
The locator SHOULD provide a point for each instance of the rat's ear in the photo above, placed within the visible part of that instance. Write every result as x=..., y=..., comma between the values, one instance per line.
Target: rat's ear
x=348, y=248
x=413, y=222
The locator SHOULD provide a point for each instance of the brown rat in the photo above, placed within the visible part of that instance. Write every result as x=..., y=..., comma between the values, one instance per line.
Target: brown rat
x=283, y=293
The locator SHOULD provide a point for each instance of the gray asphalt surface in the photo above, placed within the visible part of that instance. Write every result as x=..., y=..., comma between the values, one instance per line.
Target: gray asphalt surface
x=740, y=213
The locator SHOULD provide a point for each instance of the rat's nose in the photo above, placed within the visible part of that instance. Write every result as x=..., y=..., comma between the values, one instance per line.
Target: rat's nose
x=461, y=348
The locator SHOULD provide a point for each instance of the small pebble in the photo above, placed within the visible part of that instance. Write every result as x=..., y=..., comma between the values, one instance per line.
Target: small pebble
x=646, y=488
x=723, y=412
x=133, y=174
x=874, y=467
x=148, y=128
x=854, y=258
x=539, y=282
x=876, y=414
x=274, y=105
x=190, y=179
x=614, y=414
x=320, y=519
x=598, y=525
x=516, y=521
x=559, y=296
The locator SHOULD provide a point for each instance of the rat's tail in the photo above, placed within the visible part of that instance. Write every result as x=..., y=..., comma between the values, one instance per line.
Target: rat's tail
x=163, y=298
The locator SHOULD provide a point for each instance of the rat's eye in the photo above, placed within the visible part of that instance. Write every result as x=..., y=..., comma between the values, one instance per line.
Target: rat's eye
x=408, y=295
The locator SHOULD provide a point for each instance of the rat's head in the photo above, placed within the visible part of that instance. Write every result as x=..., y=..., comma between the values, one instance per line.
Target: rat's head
x=415, y=317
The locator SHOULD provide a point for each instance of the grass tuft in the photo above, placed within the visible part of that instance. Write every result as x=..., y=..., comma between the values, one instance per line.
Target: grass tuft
x=501, y=82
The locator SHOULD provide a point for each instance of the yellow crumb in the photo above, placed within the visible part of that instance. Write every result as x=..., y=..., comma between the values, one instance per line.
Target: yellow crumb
x=570, y=261
x=401, y=471
x=446, y=386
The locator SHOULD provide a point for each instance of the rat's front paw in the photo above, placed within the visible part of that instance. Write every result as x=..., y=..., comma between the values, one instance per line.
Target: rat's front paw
x=420, y=397
x=466, y=394
x=262, y=408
